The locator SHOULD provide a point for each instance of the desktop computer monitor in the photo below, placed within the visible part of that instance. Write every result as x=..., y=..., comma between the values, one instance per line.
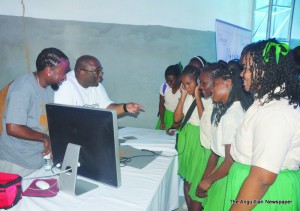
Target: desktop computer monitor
x=95, y=131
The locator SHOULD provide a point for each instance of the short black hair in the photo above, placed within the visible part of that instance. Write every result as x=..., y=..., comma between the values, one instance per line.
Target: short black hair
x=174, y=70
x=49, y=57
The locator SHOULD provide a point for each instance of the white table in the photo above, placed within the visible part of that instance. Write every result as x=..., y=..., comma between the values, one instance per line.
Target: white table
x=155, y=187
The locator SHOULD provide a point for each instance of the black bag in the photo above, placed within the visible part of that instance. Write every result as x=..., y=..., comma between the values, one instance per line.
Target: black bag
x=186, y=118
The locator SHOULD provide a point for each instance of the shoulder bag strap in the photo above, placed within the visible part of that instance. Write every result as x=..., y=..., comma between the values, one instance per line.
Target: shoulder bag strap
x=188, y=114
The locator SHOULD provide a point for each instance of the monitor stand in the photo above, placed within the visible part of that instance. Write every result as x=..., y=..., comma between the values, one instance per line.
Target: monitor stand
x=68, y=181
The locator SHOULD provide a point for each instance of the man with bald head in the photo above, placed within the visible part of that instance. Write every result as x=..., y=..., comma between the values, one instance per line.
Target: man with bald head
x=83, y=88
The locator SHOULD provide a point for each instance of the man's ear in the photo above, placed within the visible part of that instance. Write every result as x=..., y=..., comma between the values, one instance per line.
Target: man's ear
x=49, y=70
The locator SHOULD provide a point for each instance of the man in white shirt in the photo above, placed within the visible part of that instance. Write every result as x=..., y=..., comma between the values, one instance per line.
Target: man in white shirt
x=83, y=88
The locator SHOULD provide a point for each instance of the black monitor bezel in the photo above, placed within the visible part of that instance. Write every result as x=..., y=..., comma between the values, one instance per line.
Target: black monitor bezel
x=87, y=119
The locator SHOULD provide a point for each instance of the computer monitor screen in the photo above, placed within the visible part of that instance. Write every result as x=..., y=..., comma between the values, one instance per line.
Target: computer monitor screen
x=96, y=131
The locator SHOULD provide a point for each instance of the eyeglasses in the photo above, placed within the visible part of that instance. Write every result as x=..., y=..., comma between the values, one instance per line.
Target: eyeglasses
x=97, y=71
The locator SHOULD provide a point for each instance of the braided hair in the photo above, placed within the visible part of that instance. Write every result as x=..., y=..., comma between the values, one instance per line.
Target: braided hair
x=212, y=68
x=296, y=58
x=272, y=67
x=231, y=72
x=191, y=71
x=49, y=57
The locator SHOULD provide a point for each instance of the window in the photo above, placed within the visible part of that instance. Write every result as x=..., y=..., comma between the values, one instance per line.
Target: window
x=273, y=19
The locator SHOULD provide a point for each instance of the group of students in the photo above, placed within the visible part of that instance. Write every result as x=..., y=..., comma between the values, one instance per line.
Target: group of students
x=238, y=122
x=238, y=127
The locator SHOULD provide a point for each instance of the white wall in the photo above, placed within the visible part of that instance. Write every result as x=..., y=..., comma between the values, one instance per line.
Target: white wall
x=123, y=34
x=190, y=14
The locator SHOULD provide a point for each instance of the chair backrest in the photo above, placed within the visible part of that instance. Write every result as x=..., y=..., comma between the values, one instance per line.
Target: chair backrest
x=3, y=94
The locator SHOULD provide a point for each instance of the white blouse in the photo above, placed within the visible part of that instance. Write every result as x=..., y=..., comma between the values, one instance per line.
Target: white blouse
x=225, y=132
x=205, y=123
x=194, y=119
x=269, y=137
x=171, y=100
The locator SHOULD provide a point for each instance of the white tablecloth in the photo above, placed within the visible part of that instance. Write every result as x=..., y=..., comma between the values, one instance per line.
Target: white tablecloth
x=155, y=187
